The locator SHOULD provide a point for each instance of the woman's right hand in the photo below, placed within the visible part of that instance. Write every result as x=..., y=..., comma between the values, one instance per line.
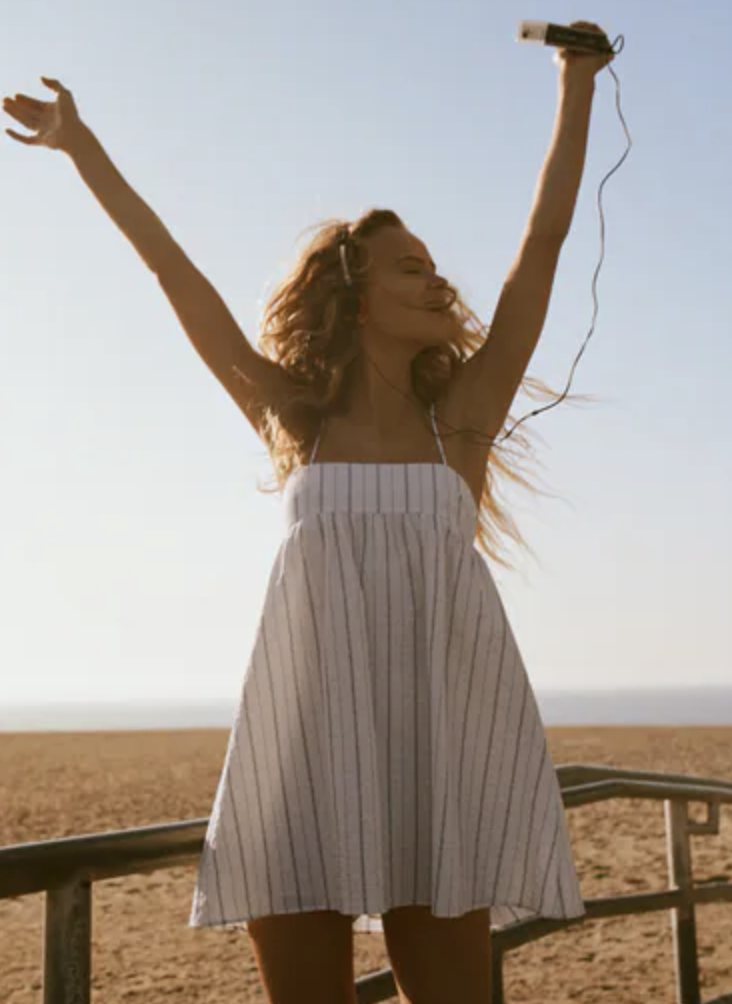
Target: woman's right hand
x=53, y=123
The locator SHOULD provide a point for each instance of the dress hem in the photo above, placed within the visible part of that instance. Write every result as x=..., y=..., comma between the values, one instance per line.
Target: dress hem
x=377, y=916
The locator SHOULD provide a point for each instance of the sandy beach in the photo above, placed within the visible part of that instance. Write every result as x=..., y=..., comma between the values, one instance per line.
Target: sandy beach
x=64, y=784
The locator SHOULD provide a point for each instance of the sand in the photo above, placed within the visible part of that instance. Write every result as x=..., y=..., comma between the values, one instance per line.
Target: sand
x=57, y=785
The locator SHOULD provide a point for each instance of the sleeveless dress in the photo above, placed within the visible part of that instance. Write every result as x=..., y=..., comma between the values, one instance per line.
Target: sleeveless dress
x=387, y=749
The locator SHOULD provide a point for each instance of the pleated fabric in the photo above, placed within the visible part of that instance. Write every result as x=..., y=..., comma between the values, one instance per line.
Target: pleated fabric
x=387, y=749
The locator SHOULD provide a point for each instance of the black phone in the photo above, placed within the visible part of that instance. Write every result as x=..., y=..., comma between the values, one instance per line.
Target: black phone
x=558, y=35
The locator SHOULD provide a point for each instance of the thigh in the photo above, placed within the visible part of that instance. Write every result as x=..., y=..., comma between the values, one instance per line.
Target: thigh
x=438, y=960
x=305, y=956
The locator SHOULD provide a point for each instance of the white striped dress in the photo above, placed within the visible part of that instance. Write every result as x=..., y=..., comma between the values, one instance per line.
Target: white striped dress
x=387, y=749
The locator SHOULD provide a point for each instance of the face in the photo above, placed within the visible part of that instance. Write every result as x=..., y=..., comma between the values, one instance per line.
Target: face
x=405, y=297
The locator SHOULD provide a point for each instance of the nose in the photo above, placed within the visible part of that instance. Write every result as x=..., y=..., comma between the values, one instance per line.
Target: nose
x=438, y=285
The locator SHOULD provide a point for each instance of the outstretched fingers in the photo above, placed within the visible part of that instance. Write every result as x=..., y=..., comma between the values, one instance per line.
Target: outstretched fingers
x=28, y=140
x=26, y=112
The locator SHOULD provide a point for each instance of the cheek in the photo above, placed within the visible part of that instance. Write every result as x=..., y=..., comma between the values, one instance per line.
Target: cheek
x=411, y=288
x=400, y=294
x=388, y=302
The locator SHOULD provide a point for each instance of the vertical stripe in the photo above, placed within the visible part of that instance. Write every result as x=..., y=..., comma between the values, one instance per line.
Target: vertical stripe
x=270, y=823
x=549, y=871
x=291, y=741
x=502, y=737
x=385, y=619
x=212, y=864
x=535, y=835
x=358, y=794
x=254, y=808
x=463, y=676
x=512, y=783
x=314, y=821
x=236, y=793
x=337, y=672
x=486, y=753
x=325, y=703
x=274, y=718
x=412, y=661
x=340, y=825
x=469, y=703
x=447, y=683
x=524, y=786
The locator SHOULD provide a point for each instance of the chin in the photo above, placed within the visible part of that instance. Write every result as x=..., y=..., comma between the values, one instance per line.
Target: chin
x=435, y=332
x=443, y=331
x=426, y=342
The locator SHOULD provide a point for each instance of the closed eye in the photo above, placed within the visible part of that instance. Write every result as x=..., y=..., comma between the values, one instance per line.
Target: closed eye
x=413, y=257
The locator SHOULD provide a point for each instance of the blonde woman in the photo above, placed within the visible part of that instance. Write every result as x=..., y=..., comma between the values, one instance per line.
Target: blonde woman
x=387, y=769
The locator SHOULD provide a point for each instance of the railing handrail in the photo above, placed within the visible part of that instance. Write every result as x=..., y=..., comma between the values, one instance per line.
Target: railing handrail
x=32, y=867
x=572, y=774
x=600, y=791
x=67, y=867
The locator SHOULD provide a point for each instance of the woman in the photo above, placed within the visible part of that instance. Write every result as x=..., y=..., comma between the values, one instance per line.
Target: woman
x=387, y=769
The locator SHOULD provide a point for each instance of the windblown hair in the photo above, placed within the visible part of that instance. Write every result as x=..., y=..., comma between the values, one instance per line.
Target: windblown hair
x=310, y=328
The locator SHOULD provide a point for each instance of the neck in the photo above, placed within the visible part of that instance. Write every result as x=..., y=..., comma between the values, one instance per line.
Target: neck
x=381, y=399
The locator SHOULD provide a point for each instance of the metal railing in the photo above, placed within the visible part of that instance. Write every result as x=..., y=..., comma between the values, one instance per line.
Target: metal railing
x=65, y=870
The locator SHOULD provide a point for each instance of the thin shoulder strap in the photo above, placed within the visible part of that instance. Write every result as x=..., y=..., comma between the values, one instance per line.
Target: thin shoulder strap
x=437, y=434
x=317, y=441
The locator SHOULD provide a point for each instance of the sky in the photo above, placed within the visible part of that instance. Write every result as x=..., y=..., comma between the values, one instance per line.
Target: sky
x=135, y=546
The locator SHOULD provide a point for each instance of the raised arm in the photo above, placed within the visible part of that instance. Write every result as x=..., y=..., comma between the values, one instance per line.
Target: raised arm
x=202, y=312
x=488, y=382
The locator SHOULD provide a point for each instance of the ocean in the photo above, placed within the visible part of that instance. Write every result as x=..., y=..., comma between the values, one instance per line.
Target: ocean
x=662, y=707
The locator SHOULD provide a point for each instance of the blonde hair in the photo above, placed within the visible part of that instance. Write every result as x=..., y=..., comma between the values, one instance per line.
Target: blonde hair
x=310, y=329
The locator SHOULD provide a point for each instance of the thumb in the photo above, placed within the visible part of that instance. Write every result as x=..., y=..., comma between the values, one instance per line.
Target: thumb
x=53, y=84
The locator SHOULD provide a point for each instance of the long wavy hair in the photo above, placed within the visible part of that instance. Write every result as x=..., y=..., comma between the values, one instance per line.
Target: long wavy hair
x=310, y=328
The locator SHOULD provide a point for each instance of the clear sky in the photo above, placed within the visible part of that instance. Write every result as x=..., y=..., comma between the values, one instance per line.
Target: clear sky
x=134, y=545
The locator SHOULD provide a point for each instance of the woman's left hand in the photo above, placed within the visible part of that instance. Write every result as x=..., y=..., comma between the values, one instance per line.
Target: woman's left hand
x=574, y=63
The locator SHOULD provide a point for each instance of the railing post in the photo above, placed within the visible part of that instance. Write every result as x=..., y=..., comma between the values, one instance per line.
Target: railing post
x=683, y=917
x=497, y=996
x=67, y=945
